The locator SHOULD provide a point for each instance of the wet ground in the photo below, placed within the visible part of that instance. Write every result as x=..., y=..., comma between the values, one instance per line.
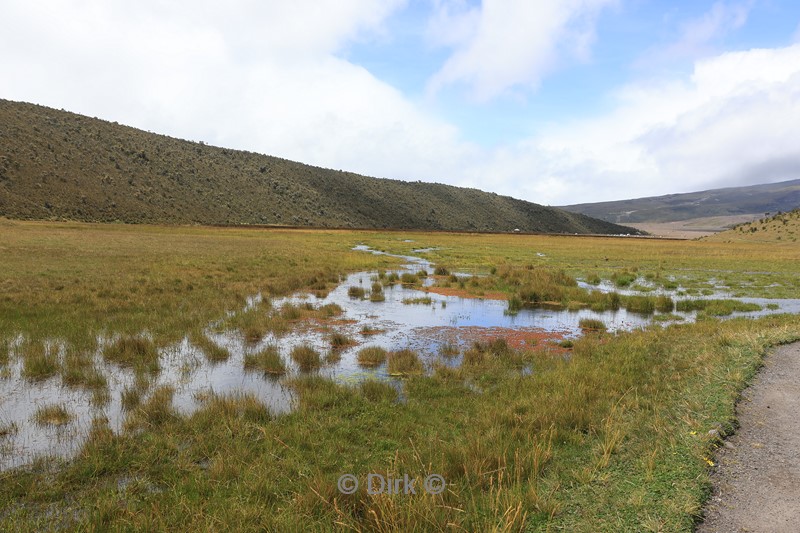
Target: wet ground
x=446, y=320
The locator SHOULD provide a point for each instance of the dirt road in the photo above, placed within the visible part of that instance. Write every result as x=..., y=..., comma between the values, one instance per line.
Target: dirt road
x=757, y=483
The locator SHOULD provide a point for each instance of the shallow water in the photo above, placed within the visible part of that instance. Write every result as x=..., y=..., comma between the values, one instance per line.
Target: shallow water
x=424, y=328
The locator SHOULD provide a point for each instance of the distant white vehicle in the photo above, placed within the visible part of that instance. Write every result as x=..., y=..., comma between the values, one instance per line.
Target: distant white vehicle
x=516, y=230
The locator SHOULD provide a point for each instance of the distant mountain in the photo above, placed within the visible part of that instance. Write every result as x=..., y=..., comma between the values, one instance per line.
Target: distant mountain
x=754, y=200
x=59, y=165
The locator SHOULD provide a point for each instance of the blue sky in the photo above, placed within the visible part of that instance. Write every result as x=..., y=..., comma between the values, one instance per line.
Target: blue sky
x=552, y=101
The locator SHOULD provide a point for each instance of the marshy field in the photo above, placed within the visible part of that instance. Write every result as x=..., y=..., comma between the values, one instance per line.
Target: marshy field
x=195, y=378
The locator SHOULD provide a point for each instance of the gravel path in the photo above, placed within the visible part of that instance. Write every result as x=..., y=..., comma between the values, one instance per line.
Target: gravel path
x=757, y=482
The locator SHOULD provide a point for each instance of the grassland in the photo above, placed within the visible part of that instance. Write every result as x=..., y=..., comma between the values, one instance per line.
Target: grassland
x=756, y=269
x=612, y=438
x=781, y=228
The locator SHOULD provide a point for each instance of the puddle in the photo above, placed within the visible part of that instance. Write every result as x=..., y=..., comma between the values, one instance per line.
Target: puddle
x=424, y=327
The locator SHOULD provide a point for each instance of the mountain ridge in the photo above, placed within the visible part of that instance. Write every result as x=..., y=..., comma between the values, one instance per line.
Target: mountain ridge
x=753, y=200
x=60, y=165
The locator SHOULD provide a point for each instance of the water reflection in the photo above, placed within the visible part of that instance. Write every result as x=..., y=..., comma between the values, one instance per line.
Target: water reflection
x=392, y=324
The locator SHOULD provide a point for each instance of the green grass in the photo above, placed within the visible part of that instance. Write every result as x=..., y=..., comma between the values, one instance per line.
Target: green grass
x=212, y=351
x=340, y=341
x=79, y=370
x=407, y=278
x=40, y=360
x=5, y=352
x=448, y=350
x=306, y=357
x=356, y=292
x=403, y=363
x=8, y=429
x=592, y=324
x=611, y=437
x=717, y=307
x=267, y=360
x=133, y=352
x=53, y=415
x=423, y=300
x=378, y=391
x=371, y=356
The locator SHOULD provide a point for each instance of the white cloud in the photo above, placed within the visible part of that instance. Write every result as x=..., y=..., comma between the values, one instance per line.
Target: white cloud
x=262, y=76
x=510, y=43
x=697, y=35
x=734, y=121
x=265, y=77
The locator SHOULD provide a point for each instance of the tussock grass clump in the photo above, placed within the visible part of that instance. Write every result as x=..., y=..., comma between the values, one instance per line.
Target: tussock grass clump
x=441, y=271
x=624, y=278
x=370, y=330
x=473, y=356
x=330, y=310
x=407, y=278
x=691, y=305
x=449, y=349
x=664, y=304
x=403, y=363
x=667, y=317
x=131, y=397
x=293, y=312
x=640, y=304
x=482, y=351
x=377, y=296
x=40, y=360
x=254, y=323
x=5, y=351
x=306, y=357
x=78, y=370
x=212, y=351
x=423, y=300
x=156, y=411
x=340, y=341
x=236, y=410
x=422, y=274
x=377, y=288
x=593, y=279
x=390, y=279
x=371, y=356
x=378, y=391
x=52, y=415
x=592, y=324
x=8, y=429
x=317, y=393
x=133, y=352
x=268, y=360
x=356, y=292
x=717, y=307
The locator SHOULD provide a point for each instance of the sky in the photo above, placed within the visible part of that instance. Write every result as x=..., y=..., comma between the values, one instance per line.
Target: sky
x=552, y=101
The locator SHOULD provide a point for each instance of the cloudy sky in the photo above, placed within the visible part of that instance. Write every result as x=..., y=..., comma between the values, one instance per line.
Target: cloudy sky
x=553, y=101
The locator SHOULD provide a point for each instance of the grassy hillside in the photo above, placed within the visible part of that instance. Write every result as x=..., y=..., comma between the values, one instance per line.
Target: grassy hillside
x=754, y=200
x=780, y=228
x=59, y=165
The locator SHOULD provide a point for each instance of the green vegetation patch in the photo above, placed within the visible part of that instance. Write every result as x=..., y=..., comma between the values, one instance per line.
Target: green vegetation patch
x=372, y=356
x=267, y=360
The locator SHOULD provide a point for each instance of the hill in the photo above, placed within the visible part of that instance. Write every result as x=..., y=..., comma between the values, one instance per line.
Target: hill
x=778, y=228
x=60, y=165
x=709, y=209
